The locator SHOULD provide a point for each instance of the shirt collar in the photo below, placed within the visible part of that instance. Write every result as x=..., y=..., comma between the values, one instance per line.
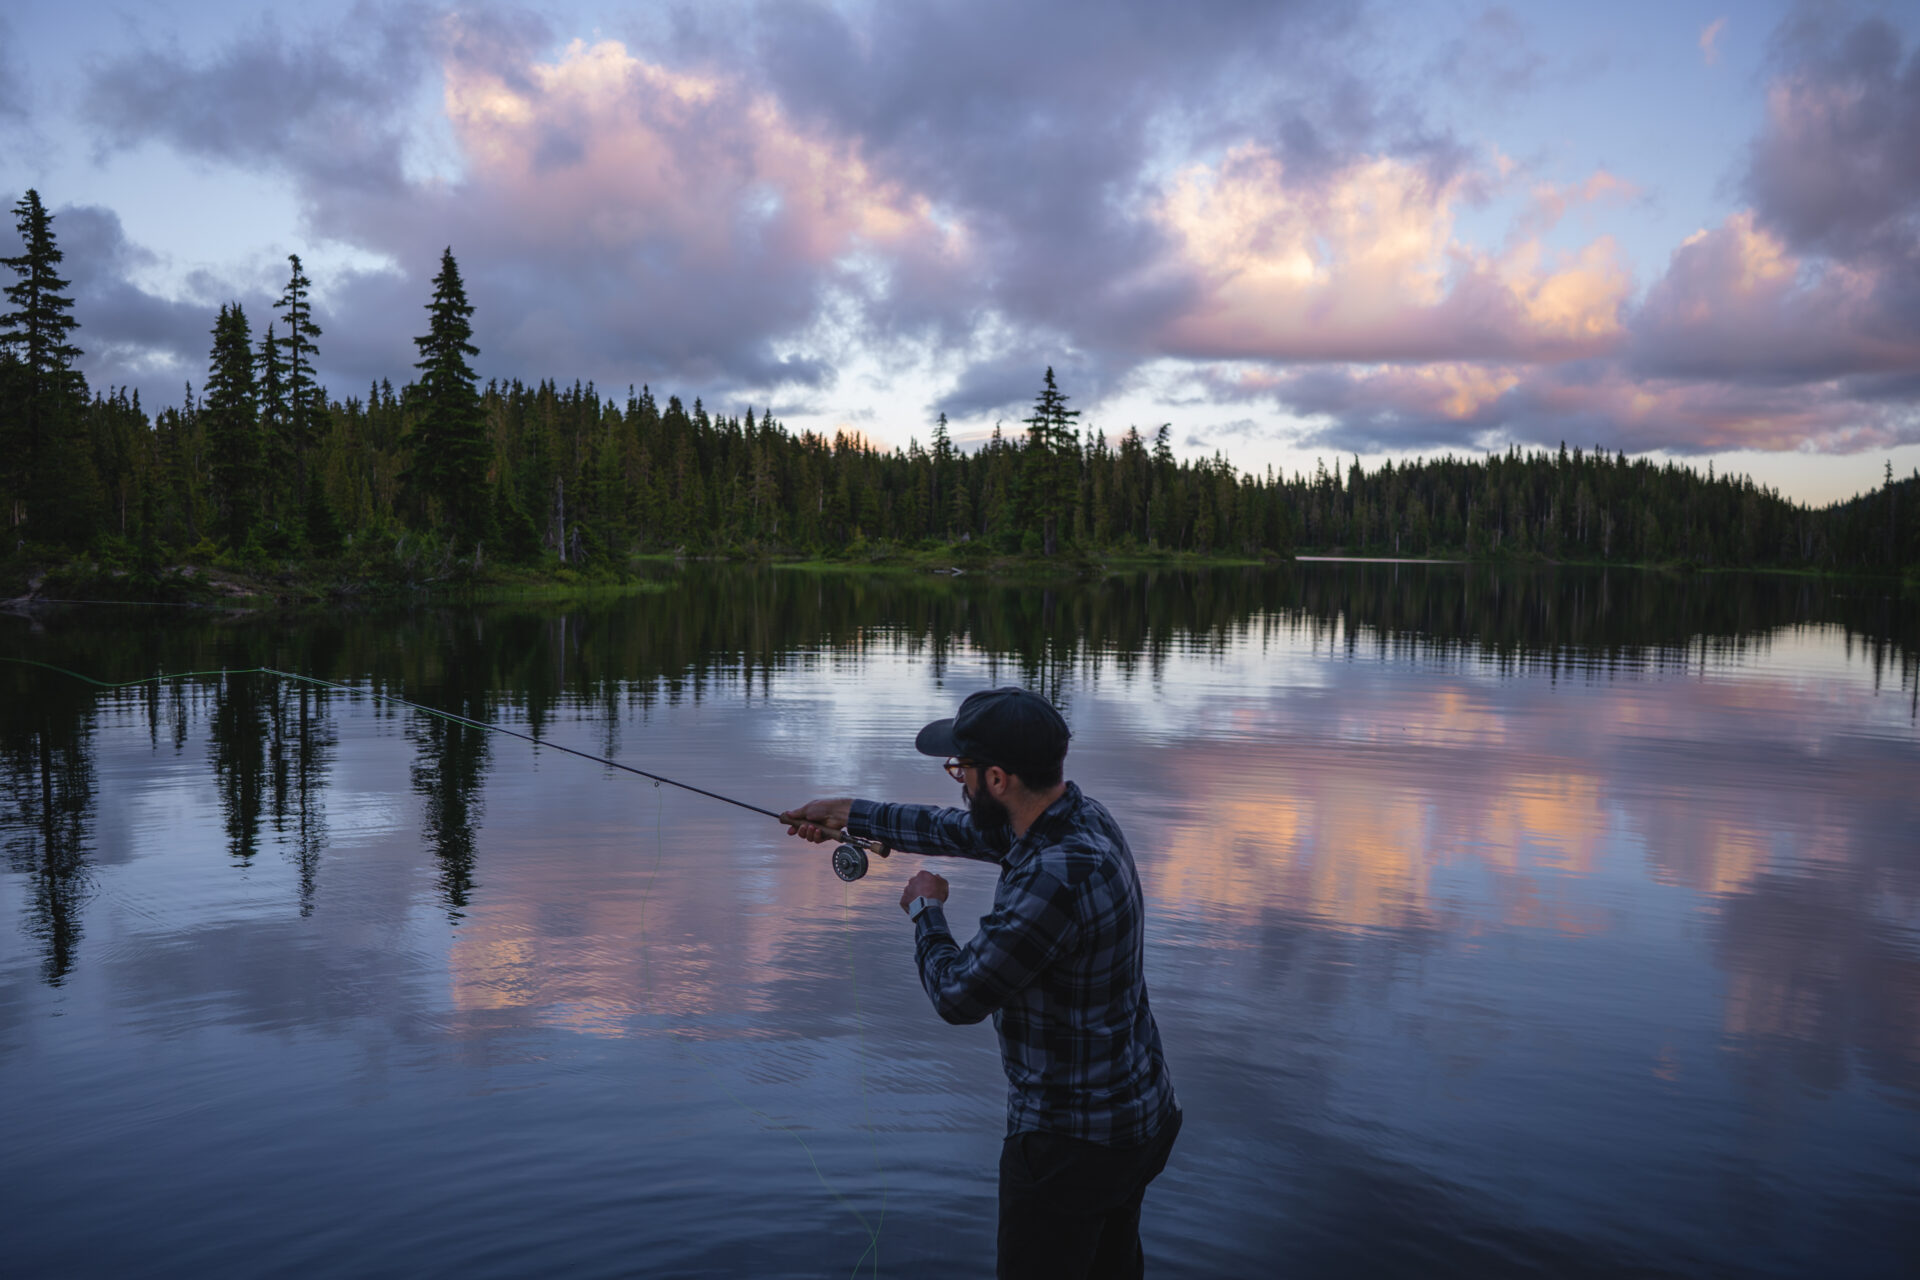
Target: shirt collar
x=1054, y=821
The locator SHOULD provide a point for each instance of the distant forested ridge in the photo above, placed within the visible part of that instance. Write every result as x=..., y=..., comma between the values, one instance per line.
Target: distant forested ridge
x=262, y=465
x=1600, y=507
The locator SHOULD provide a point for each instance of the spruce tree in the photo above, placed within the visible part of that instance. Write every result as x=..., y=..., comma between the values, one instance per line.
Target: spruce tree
x=47, y=475
x=941, y=460
x=1160, y=496
x=299, y=352
x=1053, y=455
x=233, y=427
x=276, y=430
x=450, y=452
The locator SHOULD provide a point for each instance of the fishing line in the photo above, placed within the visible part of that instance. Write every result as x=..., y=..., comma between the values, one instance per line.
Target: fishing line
x=849, y=863
x=849, y=857
x=712, y=1068
x=860, y=1067
x=402, y=702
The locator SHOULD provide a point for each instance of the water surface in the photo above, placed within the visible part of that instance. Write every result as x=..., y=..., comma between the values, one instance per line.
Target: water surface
x=1560, y=923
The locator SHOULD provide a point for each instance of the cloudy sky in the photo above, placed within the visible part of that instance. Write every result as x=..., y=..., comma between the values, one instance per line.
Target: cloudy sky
x=1291, y=230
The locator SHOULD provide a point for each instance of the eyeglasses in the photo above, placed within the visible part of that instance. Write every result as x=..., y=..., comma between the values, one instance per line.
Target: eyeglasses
x=957, y=766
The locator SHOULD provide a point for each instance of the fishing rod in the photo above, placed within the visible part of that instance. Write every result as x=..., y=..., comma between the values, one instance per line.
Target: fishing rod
x=849, y=855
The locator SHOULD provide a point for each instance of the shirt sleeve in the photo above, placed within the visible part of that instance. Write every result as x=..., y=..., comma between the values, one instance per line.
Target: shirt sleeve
x=920, y=828
x=1033, y=923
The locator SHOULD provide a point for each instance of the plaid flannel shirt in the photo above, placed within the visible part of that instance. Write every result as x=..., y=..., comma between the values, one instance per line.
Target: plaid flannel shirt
x=1057, y=964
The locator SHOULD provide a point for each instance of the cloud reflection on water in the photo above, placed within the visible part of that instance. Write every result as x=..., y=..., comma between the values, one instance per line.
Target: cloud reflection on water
x=1453, y=804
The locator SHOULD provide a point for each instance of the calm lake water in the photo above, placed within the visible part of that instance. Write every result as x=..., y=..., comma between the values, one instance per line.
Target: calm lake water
x=1556, y=923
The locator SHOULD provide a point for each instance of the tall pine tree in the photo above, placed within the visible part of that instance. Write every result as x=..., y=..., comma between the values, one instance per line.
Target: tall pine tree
x=450, y=454
x=940, y=501
x=1053, y=464
x=44, y=468
x=276, y=431
x=299, y=352
x=231, y=415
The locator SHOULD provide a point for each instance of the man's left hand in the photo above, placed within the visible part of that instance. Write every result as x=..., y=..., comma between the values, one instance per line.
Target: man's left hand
x=924, y=884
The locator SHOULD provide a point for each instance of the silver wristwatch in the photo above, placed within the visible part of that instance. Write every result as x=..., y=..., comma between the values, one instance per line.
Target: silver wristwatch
x=920, y=904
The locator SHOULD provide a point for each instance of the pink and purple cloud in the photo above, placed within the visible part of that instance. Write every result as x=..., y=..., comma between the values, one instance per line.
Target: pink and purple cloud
x=750, y=200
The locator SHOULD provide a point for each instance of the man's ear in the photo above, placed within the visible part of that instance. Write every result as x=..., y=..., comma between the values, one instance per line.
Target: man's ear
x=1000, y=788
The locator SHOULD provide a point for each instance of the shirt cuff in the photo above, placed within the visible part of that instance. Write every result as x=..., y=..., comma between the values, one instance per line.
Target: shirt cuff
x=860, y=818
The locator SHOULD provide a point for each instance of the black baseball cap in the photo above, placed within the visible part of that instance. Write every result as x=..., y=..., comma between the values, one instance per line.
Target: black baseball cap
x=1016, y=729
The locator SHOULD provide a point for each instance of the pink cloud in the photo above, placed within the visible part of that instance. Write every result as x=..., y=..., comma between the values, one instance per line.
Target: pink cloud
x=752, y=212
x=1476, y=404
x=651, y=218
x=1736, y=303
x=1550, y=201
x=603, y=145
x=1364, y=265
x=1710, y=40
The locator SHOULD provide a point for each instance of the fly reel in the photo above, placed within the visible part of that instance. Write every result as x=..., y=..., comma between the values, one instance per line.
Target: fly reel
x=849, y=862
x=850, y=857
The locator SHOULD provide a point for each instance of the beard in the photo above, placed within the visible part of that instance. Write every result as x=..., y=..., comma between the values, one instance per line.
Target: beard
x=988, y=814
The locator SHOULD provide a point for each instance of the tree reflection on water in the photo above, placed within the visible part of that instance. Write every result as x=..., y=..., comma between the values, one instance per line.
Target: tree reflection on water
x=48, y=816
x=707, y=629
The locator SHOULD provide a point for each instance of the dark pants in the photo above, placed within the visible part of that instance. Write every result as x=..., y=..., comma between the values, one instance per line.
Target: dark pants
x=1070, y=1210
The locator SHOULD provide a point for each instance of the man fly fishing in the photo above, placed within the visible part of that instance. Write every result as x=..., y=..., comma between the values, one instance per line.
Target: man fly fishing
x=1091, y=1112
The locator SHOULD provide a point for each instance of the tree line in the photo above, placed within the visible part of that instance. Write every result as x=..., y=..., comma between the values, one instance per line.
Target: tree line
x=1600, y=507
x=264, y=464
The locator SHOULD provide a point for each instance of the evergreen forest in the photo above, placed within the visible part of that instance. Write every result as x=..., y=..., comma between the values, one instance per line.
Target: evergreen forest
x=263, y=469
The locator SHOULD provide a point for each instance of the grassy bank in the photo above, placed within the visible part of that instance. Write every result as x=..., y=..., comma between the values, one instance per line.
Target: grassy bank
x=406, y=567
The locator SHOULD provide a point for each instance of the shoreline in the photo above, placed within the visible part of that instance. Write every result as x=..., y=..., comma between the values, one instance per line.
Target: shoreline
x=88, y=583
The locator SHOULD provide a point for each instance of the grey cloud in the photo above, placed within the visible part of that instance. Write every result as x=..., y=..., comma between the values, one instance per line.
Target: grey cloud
x=1036, y=128
x=497, y=38
x=797, y=371
x=1835, y=175
x=1709, y=317
x=1841, y=171
x=1006, y=385
x=1589, y=402
x=804, y=408
x=373, y=317
x=130, y=336
x=1901, y=387
x=1492, y=58
x=524, y=329
x=1358, y=417
x=625, y=302
x=1013, y=84
x=1213, y=435
x=1037, y=124
x=368, y=327
x=13, y=77
x=322, y=105
x=95, y=247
